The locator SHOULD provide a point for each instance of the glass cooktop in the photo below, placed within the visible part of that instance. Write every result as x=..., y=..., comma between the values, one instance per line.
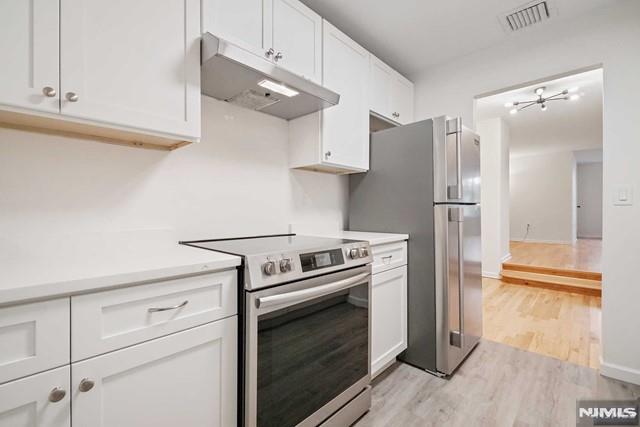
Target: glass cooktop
x=248, y=246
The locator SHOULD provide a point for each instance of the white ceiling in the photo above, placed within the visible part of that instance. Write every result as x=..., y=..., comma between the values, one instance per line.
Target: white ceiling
x=565, y=125
x=412, y=35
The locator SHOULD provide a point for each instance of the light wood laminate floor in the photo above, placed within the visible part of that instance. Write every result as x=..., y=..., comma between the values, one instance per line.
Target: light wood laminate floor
x=496, y=386
x=584, y=255
x=558, y=324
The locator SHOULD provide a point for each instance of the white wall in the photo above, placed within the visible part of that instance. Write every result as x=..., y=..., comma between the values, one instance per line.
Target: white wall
x=494, y=158
x=542, y=195
x=589, y=181
x=606, y=36
x=234, y=182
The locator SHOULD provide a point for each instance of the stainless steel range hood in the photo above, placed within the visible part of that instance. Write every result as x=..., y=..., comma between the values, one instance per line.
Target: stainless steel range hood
x=232, y=74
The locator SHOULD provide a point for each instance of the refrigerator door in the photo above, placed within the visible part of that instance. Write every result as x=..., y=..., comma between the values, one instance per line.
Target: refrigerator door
x=458, y=283
x=456, y=162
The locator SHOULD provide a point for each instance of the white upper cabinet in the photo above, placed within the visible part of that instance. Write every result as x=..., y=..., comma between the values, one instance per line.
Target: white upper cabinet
x=127, y=71
x=391, y=94
x=135, y=64
x=336, y=139
x=295, y=33
x=29, y=52
x=238, y=21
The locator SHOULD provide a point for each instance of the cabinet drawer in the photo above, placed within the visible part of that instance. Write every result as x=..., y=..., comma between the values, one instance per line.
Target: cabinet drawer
x=33, y=338
x=109, y=320
x=386, y=257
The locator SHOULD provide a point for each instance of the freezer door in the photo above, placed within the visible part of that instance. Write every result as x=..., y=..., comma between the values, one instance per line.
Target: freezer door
x=456, y=162
x=458, y=283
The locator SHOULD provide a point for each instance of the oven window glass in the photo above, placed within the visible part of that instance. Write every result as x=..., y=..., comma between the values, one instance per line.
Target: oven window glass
x=309, y=354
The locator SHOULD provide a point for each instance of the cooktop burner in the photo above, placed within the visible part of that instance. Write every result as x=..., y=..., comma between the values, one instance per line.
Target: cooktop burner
x=275, y=259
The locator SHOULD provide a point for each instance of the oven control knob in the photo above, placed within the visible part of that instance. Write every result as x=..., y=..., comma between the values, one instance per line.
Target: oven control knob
x=354, y=253
x=363, y=252
x=285, y=265
x=269, y=268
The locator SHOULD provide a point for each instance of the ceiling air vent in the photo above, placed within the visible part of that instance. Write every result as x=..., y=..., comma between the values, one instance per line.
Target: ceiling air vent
x=527, y=15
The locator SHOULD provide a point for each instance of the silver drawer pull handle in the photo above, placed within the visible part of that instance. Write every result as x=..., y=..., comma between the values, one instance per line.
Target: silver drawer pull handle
x=56, y=395
x=386, y=258
x=175, y=307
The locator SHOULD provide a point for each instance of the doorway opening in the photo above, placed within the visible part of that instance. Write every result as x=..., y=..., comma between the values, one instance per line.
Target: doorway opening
x=542, y=215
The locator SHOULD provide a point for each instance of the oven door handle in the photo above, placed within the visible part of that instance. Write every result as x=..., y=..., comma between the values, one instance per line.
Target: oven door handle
x=305, y=294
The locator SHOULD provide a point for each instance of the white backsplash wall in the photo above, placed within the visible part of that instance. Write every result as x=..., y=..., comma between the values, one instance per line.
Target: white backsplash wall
x=236, y=181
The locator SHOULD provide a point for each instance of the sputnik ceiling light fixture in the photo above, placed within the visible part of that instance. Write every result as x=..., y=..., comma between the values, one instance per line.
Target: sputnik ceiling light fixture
x=542, y=100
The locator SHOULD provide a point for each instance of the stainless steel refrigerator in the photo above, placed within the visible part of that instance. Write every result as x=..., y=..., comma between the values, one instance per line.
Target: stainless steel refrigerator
x=424, y=180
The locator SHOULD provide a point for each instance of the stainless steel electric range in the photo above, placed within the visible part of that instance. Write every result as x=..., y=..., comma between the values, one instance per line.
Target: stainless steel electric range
x=305, y=314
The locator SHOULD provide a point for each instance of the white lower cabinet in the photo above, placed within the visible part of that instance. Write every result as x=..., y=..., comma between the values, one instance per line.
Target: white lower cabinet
x=184, y=379
x=38, y=400
x=389, y=317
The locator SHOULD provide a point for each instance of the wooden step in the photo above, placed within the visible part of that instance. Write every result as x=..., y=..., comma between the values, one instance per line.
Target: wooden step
x=548, y=281
x=578, y=274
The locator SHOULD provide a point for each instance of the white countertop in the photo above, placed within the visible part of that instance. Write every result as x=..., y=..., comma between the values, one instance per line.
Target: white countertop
x=373, y=238
x=67, y=265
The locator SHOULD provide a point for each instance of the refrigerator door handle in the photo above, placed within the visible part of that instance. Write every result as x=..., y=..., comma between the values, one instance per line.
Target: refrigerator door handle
x=456, y=338
x=454, y=126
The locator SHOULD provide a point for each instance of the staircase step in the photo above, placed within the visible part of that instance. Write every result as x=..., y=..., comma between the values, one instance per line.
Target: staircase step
x=548, y=281
x=578, y=274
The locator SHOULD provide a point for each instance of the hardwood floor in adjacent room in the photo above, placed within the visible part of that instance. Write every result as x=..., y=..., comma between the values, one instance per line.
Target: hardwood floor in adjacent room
x=496, y=386
x=558, y=324
x=584, y=255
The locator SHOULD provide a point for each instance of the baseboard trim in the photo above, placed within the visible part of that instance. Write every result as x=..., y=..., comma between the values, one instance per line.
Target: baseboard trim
x=621, y=373
x=506, y=258
x=491, y=275
x=558, y=242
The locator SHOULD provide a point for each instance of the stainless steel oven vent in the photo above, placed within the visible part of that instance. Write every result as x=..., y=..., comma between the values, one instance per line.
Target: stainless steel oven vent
x=526, y=16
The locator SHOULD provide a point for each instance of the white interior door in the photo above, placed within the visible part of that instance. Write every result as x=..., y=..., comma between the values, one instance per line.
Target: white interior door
x=39, y=400
x=345, y=127
x=295, y=33
x=135, y=64
x=29, y=52
x=589, y=196
x=184, y=379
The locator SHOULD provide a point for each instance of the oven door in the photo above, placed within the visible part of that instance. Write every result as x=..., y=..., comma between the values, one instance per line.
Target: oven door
x=307, y=348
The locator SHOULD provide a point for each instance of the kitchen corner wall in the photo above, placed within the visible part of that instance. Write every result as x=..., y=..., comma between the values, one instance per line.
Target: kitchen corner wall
x=236, y=181
x=609, y=36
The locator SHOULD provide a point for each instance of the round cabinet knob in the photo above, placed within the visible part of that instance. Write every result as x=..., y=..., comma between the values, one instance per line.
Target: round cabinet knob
x=85, y=385
x=269, y=53
x=269, y=268
x=327, y=154
x=285, y=265
x=49, y=91
x=56, y=395
x=72, y=97
x=354, y=253
x=278, y=56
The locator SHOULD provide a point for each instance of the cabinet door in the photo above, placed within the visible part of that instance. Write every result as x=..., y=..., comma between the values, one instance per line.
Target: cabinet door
x=32, y=401
x=29, y=52
x=184, y=379
x=389, y=317
x=295, y=33
x=381, y=80
x=402, y=100
x=345, y=127
x=135, y=64
x=238, y=21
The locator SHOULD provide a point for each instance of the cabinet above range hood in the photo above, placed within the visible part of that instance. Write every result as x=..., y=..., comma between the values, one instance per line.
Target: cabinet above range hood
x=232, y=74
